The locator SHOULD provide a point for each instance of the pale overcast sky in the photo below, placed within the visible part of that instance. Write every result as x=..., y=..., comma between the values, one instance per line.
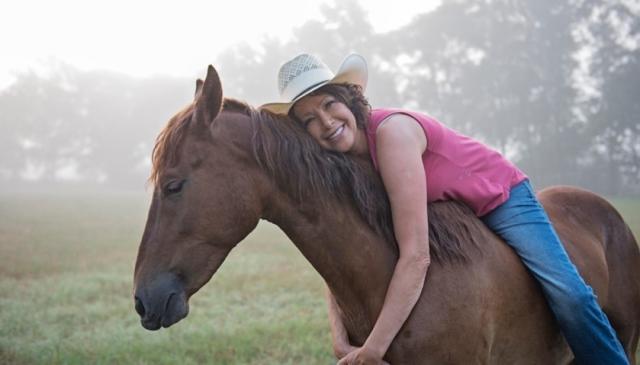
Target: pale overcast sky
x=145, y=37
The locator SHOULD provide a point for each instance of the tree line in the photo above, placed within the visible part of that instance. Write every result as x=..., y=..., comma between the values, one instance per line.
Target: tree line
x=553, y=85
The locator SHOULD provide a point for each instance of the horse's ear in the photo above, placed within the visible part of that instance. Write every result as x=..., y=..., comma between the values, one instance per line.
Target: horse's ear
x=209, y=97
x=199, y=83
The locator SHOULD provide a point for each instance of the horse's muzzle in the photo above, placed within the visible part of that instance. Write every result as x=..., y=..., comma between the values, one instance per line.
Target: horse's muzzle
x=162, y=302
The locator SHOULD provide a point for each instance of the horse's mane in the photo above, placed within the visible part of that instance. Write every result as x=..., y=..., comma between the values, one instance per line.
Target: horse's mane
x=168, y=142
x=305, y=171
x=165, y=151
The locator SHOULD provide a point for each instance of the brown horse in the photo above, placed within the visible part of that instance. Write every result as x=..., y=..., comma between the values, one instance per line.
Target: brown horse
x=221, y=166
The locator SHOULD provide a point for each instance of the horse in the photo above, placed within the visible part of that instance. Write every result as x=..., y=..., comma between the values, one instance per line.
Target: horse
x=219, y=166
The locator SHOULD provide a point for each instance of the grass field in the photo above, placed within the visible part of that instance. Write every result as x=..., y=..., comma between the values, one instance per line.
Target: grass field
x=66, y=264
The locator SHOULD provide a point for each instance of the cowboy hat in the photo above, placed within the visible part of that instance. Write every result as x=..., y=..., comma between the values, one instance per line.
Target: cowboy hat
x=305, y=73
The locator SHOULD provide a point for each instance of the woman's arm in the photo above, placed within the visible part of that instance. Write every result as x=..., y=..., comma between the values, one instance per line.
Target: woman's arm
x=400, y=145
x=339, y=336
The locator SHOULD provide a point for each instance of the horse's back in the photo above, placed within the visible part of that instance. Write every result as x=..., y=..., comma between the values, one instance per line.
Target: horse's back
x=605, y=251
x=488, y=310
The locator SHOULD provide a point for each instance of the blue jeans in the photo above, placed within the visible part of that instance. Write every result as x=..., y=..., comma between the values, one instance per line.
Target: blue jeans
x=523, y=224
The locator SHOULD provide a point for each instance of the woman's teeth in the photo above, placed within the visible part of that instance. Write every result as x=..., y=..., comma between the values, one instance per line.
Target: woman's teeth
x=335, y=134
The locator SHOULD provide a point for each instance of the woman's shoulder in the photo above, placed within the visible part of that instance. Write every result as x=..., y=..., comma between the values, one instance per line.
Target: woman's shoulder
x=399, y=126
x=433, y=130
x=380, y=114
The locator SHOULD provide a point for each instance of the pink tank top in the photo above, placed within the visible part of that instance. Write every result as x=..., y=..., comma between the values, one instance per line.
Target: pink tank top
x=457, y=167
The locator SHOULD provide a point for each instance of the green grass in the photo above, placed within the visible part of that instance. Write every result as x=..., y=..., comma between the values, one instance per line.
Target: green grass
x=66, y=267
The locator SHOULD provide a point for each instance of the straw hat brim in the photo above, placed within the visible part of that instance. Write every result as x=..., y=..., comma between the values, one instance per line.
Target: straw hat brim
x=353, y=70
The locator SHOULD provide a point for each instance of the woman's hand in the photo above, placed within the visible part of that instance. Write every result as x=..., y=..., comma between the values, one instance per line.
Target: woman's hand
x=342, y=349
x=362, y=356
x=339, y=337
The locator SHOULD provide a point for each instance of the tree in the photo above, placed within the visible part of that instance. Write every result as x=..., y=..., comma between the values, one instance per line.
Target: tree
x=87, y=127
x=609, y=33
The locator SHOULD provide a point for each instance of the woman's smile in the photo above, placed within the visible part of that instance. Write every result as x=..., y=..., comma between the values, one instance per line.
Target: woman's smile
x=336, y=134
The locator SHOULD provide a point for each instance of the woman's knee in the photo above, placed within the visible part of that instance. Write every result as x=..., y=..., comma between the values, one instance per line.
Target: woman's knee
x=574, y=304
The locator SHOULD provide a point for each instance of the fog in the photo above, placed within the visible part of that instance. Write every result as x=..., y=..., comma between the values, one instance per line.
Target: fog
x=553, y=85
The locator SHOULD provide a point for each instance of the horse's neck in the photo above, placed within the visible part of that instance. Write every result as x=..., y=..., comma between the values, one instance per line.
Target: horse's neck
x=355, y=263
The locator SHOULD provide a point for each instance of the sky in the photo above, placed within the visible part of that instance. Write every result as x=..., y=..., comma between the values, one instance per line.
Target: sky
x=144, y=37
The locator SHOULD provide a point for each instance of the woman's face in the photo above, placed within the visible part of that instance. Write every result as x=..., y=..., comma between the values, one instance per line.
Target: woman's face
x=329, y=121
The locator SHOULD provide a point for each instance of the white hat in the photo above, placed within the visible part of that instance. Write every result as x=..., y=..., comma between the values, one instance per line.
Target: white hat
x=306, y=73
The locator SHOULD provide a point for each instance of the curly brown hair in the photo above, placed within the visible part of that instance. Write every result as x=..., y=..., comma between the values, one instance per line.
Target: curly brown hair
x=350, y=95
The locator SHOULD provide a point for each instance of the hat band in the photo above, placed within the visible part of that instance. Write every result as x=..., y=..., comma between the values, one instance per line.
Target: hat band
x=307, y=89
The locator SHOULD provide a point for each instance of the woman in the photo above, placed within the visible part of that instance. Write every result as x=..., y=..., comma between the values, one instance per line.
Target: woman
x=421, y=160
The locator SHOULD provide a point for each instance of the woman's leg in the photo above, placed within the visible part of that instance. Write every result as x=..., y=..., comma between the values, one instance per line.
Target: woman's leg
x=522, y=222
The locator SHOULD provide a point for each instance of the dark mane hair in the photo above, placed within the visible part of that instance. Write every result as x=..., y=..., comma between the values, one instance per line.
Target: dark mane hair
x=302, y=168
x=305, y=170
x=165, y=151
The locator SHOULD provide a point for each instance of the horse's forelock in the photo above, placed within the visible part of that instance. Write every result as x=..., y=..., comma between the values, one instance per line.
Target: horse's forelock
x=169, y=140
x=165, y=151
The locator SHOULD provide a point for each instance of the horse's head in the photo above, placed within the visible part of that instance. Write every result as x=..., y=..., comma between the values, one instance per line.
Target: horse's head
x=205, y=201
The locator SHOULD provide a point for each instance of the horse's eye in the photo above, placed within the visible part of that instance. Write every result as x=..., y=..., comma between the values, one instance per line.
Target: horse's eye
x=173, y=187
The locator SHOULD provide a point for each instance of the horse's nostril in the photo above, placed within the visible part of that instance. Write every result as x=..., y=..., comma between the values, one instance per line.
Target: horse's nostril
x=139, y=307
